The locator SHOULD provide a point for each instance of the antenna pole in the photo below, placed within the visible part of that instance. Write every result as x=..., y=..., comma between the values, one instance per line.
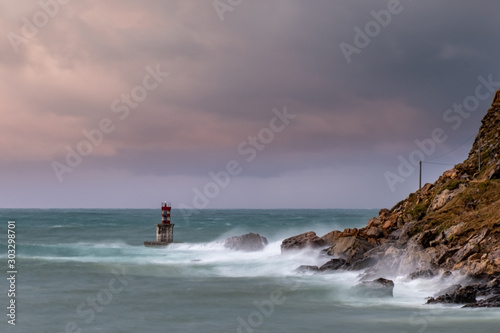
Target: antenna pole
x=420, y=176
x=479, y=155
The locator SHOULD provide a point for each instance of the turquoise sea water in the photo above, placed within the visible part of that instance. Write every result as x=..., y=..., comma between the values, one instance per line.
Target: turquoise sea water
x=88, y=271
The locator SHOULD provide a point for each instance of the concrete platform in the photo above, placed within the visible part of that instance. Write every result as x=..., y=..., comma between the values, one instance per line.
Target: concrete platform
x=159, y=244
x=156, y=244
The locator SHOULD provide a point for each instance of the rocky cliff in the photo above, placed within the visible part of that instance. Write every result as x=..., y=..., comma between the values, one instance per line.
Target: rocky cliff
x=451, y=226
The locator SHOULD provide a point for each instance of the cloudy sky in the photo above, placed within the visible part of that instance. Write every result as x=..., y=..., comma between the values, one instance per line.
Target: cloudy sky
x=238, y=104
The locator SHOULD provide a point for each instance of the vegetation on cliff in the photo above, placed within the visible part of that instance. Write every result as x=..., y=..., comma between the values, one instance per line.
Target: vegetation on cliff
x=452, y=225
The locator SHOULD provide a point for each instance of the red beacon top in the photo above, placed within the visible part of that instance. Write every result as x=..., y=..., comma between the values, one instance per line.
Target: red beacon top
x=166, y=207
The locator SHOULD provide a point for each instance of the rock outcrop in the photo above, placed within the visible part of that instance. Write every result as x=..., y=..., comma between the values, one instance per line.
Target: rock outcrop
x=450, y=225
x=457, y=295
x=374, y=289
x=302, y=241
x=248, y=242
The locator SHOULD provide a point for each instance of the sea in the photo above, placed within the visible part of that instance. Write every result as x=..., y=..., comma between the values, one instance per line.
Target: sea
x=87, y=270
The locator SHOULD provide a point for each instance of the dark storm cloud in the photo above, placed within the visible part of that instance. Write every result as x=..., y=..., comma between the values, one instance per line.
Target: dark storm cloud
x=225, y=78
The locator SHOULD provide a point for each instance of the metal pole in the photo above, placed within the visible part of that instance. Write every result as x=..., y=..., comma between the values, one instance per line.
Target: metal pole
x=479, y=155
x=420, y=176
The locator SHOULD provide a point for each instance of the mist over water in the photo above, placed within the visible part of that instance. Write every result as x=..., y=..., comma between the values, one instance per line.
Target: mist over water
x=70, y=258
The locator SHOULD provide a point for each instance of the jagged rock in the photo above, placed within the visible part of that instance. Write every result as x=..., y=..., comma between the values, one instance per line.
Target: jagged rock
x=374, y=232
x=446, y=275
x=453, y=173
x=476, y=257
x=478, y=269
x=333, y=265
x=373, y=222
x=426, y=237
x=494, y=254
x=495, y=172
x=306, y=269
x=446, y=256
x=421, y=274
x=248, y=242
x=384, y=213
x=452, y=225
x=443, y=198
x=403, y=236
x=350, y=248
x=302, y=241
x=470, y=248
x=363, y=264
x=454, y=230
x=450, y=290
x=458, y=296
x=491, y=302
x=490, y=292
x=377, y=288
x=330, y=237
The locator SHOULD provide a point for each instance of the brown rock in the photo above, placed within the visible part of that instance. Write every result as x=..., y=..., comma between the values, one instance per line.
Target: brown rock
x=453, y=174
x=373, y=222
x=333, y=265
x=373, y=232
x=475, y=257
x=494, y=254
x=330, y=237
x=495, y=172
x=377, y=288
x=458, y=296
x=248, y=242
x=350, y=248
x=384, y=213
x=302, y=241
x=306, y=269
x=443, y=198
x=479, y=268
x=471, y=247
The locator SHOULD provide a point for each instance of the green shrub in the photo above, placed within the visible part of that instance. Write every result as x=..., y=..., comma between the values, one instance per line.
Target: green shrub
x=452, y=185
x=419, y=210
x=483, y=186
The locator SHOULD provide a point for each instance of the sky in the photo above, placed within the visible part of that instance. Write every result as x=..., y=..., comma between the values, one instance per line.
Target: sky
x=238, y=103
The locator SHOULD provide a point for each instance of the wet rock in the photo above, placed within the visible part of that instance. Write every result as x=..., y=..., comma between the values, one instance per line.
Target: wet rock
x=491, y=302
x=449, y=290
x=333, y=265
x=478, y=269
x=456, y=295
x=377, y=288
x=426, y=237
x=446, y=275
x=363, y=264
x=421, y=274
x=330, y=237
x=350, y=248
x=471, y=247
x=248, y=242
x=306, y=269
x=302, y=241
